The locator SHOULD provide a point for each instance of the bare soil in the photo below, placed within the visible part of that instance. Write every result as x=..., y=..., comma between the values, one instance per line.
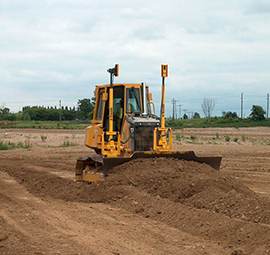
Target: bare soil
x=146, y=206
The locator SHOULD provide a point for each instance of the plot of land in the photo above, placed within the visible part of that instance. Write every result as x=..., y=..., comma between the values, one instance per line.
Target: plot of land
x=146, y=206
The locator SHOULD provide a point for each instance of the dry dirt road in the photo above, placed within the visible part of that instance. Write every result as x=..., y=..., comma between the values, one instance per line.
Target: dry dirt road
x=157, y=206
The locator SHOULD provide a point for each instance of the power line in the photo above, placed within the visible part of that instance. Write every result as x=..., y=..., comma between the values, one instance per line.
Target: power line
x=185, y=110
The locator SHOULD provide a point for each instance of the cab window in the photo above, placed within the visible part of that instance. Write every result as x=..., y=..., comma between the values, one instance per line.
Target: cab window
x=133, y=100
x=118, y=99
x=100, y=106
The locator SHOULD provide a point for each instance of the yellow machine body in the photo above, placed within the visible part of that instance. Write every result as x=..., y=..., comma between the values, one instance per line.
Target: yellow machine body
x=125, y=127
x=93, y=136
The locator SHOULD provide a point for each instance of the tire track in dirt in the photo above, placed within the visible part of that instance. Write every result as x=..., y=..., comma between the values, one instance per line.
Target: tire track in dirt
x=46, y=226
x=24, y=217
x=140, y=208
x=195, y=199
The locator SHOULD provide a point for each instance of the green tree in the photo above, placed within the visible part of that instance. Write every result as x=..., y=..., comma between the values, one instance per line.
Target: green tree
x=196, y=115
x=257, y=112
x=185, y=116
x=226, y=115
x=26, y=116
x=4, y=111
x=25, y=108
x=85, y=108
x=49, y=113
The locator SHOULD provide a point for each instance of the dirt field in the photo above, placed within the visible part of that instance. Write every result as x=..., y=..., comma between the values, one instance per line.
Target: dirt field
x=157, y=206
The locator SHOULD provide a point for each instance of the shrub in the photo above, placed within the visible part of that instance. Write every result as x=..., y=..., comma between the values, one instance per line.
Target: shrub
x=178, y=137
x=192, y=137
x=10, y=145
x=227, y=138
x=257, y=113
x=43, y=137
x=3, y=146
x=24, y=145
x=67, y=144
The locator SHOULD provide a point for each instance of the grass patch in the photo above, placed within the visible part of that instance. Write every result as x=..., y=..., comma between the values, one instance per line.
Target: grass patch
x=216, y=122
x=10, y=146
x=3, y=146
x=67, y=144
x=47, y=125
x=197, y=143
x=173, y=123
x=227, y=138
x=43, y=137
x=210, y=142
x=178, y=137
x=24, y=145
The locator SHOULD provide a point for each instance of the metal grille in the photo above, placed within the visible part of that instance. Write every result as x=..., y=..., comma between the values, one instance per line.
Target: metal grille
x=144, y=138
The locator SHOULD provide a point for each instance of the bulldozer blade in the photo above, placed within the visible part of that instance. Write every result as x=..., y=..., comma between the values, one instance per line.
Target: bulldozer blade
x=214, y=162
x=89, y=169
x=99, y=165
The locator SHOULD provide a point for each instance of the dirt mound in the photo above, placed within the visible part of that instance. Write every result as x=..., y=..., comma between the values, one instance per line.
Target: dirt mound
x=193, y=184
x=189, y=197
x=186, y=195
x=183, y=182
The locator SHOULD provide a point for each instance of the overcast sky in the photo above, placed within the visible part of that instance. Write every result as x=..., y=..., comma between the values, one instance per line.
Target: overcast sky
x=59, y=50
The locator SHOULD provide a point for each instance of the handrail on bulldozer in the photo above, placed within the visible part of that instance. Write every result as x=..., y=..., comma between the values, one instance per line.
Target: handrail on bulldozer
x=111, y=148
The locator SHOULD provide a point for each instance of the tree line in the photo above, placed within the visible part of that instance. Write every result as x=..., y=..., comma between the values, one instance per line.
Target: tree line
x=84, y=111
x=208, y=105
x=86, y=106
x=257, y=112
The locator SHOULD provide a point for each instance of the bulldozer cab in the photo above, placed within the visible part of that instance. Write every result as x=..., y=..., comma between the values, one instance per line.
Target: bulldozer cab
x=127, y=100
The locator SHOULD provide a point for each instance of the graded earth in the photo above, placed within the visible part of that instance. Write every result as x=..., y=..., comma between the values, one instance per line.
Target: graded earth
x=146, y=206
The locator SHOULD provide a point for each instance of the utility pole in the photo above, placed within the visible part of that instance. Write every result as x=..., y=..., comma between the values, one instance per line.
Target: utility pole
x=242, y=103
x=185, y=110
x=174, y=107
x=77, y=111
x=180, y=110
x=60, y=110
x=267, y=106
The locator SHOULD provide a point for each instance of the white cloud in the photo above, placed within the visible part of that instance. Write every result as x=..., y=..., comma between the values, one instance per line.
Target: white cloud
x=53, y=50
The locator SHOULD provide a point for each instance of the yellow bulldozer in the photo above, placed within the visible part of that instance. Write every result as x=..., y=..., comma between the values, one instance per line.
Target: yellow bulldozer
x=125, y=127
